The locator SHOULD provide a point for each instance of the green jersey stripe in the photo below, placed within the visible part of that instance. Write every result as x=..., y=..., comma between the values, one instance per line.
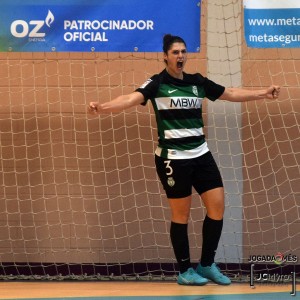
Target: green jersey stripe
x=181, y=124
x=179, y=91
x=185, y=143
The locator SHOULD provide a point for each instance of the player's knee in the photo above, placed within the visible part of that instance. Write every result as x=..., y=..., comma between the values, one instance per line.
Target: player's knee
x=181, y=217
x=216, y=212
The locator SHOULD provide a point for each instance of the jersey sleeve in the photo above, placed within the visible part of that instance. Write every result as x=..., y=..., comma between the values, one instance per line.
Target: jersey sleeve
x=212, y=90
x=149, y=88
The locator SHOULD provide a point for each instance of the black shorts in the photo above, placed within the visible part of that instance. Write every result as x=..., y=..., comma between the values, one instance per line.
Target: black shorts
x=178, y=176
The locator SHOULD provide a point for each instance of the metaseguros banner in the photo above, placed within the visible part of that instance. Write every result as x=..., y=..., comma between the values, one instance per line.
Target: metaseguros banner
x=272, y=23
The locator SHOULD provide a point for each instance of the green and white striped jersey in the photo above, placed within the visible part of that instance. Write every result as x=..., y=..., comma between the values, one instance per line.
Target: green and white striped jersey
x=178, y=108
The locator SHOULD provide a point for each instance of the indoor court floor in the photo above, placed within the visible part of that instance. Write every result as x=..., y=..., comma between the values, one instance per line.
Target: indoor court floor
x=140, y=290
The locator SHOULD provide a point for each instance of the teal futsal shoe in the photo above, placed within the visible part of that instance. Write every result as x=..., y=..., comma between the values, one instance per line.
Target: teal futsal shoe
x=213, y=273
x=190, y=277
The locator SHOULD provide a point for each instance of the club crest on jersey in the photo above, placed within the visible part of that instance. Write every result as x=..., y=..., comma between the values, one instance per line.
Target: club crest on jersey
x=171, y=181
x=195, y=90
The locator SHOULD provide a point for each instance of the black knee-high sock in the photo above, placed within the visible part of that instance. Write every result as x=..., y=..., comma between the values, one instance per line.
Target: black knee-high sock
x=211, y=233
x=180, y=242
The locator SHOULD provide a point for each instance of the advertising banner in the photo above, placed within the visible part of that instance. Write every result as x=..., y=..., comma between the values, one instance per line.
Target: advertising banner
x=97, y=25
x=272, y=23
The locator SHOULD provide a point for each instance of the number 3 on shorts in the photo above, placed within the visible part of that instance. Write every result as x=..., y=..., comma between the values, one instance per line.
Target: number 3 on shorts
x=168, y=167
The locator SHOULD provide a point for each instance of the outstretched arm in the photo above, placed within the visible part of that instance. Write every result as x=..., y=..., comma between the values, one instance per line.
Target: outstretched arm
x=241, y=95
x=117, y=105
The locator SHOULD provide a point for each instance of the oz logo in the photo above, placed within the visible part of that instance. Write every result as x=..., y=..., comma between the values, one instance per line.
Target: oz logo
x=31, y=29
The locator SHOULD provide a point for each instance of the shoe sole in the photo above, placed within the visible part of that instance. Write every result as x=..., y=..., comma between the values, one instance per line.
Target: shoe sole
x=192, y=284
x=220, y=283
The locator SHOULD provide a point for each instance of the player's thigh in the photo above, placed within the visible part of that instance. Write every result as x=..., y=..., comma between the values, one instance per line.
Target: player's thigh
x=180, y=209
x=206, y=174
x=214, y=202
x=207, y=181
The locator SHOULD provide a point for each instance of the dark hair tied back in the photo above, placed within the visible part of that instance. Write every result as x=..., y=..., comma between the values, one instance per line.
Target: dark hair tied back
x=169, y=40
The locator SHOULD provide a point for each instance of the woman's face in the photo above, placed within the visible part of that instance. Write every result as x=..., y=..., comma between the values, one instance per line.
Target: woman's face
x=176, y=59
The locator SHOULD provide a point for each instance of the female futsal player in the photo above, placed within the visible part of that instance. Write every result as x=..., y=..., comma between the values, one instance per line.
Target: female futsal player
x=182, y=157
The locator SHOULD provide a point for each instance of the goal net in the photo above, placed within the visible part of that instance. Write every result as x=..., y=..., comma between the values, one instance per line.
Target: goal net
x=79, y=195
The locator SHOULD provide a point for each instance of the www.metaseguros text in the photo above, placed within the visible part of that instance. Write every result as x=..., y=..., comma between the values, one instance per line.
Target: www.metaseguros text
x=274, y=38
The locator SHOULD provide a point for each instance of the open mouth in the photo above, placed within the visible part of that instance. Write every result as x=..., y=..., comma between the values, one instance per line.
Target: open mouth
x=179, y=64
